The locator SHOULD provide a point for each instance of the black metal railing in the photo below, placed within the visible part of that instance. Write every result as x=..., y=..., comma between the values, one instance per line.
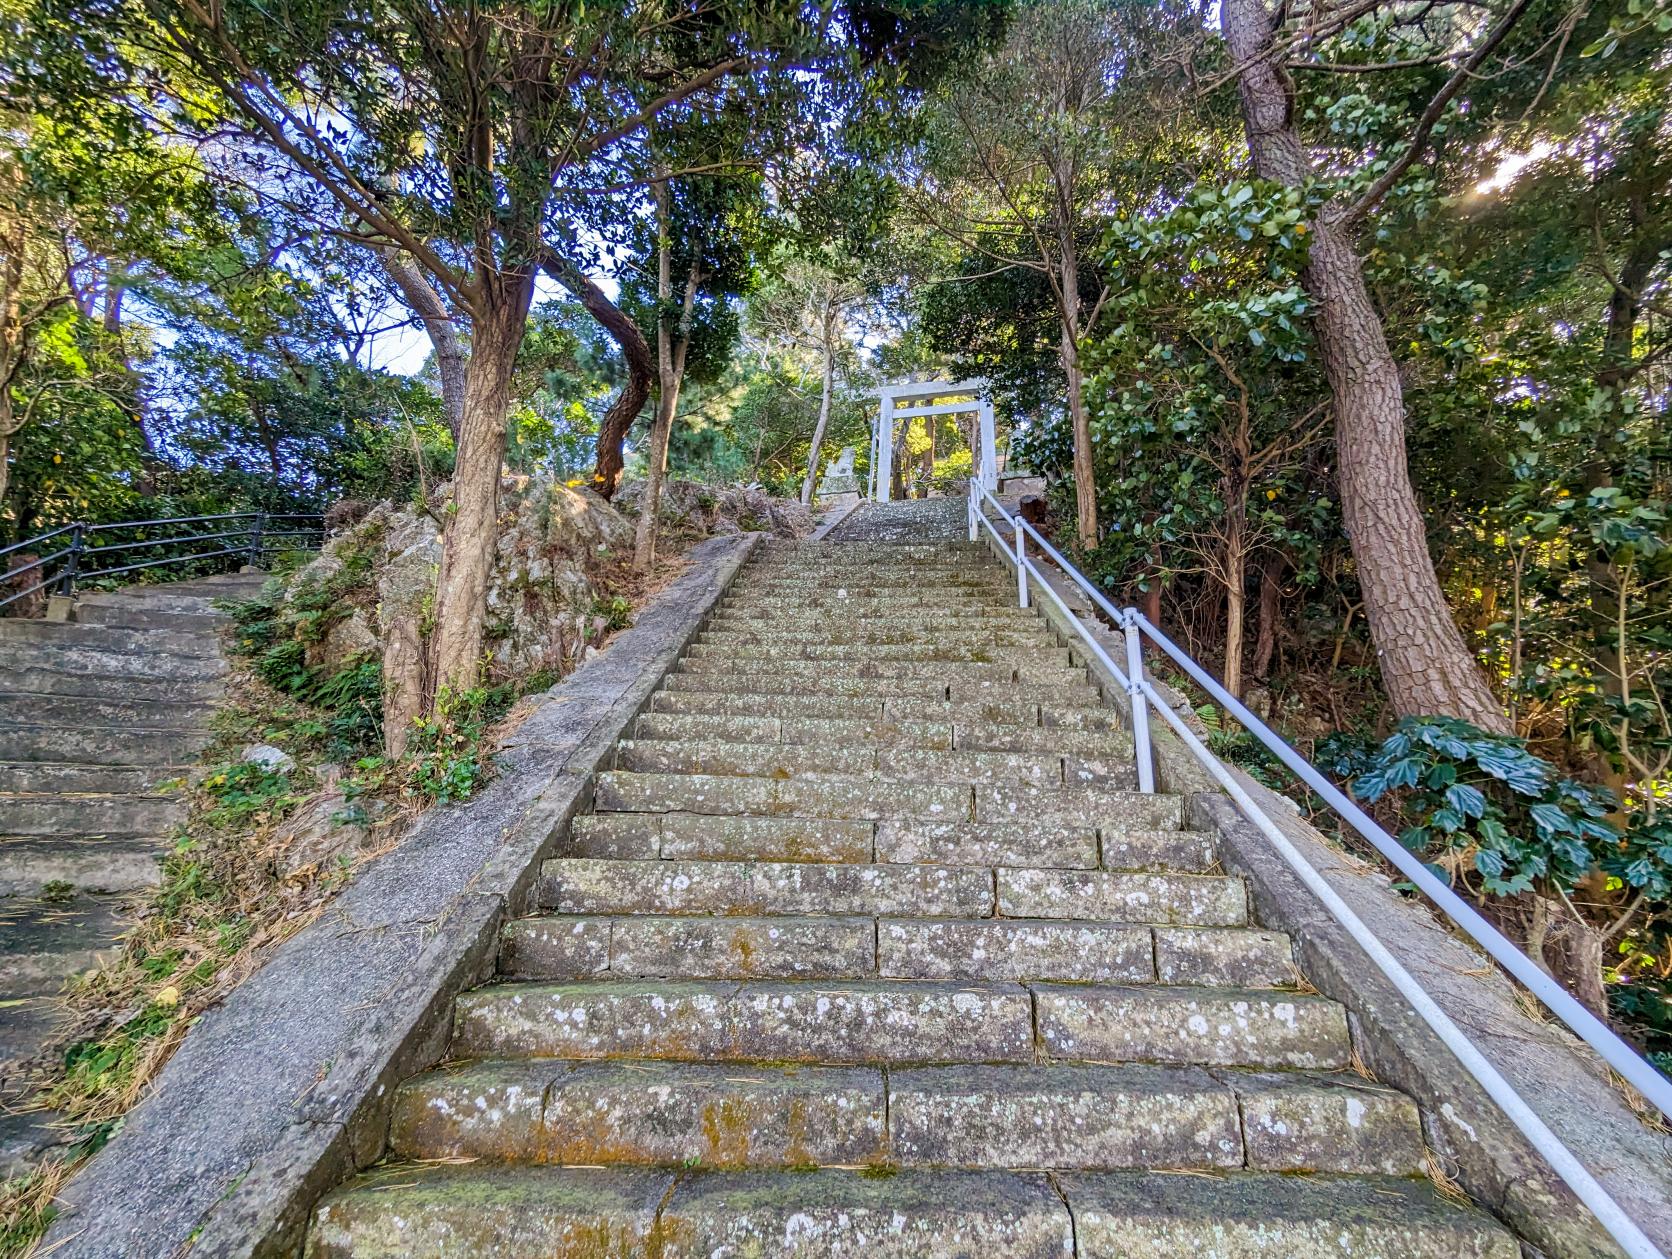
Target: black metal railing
x=79, y=554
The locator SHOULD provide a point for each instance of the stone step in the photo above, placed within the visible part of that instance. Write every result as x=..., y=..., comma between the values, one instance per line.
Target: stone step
x=646, y=1113
x=690, y=836
x=41, y=680
x=109, y=638
x=584, y=885
x=782, y=760
x=1138, y=1216
x=1191, y=1026
x=994, y=692
x=695, y=837
x=814, y=623
x=948, y=588
x=48, y=776
x=930, y=736
x=923, y=604
x=836, y=642
x=650, y=947
x=85, y=712
x=189, y=600
x=889, y=711
x=117, y=816
x=967, y=1117
x=128, y=616
x=1199, y=900
x=1045, y=667
x=27, y=864
x=68, y=658
x=745, y=888
x=1094, y=804
x=100, y=745
x=898, y=1022
x=43, y=943
x=622, y=792
x=834, y=1022
x=435, y=1211
x=595, y=946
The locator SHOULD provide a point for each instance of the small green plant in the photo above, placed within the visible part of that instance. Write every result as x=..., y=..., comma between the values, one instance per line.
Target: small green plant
x=242, y=790
x=616, y=612
x=445, y=761
x=57, y=891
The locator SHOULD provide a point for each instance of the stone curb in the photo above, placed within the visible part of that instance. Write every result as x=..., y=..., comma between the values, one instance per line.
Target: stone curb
x=1556, y=1072
x=284, y=1089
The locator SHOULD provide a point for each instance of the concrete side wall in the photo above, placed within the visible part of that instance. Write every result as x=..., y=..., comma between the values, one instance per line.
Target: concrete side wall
x=1558, y=1074
x=284, y=1089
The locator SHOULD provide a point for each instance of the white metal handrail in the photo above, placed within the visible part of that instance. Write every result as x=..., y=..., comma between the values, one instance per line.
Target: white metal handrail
x=1654, y=1086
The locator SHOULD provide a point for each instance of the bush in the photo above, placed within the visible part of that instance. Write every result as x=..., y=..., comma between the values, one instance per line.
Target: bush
x=1485, y=798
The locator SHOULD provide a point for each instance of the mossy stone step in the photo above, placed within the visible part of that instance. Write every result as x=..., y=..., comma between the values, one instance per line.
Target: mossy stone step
x=643, y=1113
x=619, y=791
x=1191, y=1026
x=1047, y=667
x=441, y=1211
x=859, y=638
x=968, y=1117
x=744, y=888
x=984, y=950
x=645, y=946
x=1202, y=900
x=696, y=836
x=841, y=1022
x=1252, y=1216
x=143, y=616
x=782, y=760
x=930, y=736
x=110, y=638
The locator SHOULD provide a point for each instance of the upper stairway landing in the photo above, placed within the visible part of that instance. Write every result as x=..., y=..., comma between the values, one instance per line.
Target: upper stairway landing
x=870, y=948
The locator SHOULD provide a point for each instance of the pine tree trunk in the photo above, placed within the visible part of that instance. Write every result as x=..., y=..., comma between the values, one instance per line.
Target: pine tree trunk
x=671, y=345
x=473, y=528
x=1426, y=666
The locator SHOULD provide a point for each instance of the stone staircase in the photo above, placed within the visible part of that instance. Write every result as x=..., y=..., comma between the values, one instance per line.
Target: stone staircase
x=870, y=948
x=94, y=714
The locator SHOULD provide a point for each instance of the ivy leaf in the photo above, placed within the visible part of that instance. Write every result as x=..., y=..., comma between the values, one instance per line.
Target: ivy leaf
x=1466, y=800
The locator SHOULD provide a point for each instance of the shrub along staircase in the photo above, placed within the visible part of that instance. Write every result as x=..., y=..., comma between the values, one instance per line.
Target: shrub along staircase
x=94, y=714
x=870, y=948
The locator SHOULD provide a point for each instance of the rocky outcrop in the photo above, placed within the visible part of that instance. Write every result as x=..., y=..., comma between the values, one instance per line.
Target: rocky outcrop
x=562, y=552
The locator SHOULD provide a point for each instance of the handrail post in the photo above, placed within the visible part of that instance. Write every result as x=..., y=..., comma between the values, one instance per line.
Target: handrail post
x=66, y=579
x=255, y=539
x=1021, y=566
x=1138, y=703
x=972, y=506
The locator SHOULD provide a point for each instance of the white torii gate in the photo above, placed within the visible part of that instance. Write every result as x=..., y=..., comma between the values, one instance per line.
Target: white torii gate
x=904, y=403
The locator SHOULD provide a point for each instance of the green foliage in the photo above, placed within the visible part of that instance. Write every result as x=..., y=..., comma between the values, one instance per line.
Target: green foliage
x=445, y=760
x=1515, y=820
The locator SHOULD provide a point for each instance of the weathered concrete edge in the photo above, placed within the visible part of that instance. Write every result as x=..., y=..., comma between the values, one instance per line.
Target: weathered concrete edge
x=1557, y=1074
x=304, y=1056
x=829, y=526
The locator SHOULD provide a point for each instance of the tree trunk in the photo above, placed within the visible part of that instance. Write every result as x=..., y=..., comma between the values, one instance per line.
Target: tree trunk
x=1085, y=470
x=671, y=345
x=1236, y=577
x=635, y=352
x=451, y=357
x=1265, y=643
x=472, y=529
x=827, y=385
x=1426, y=666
